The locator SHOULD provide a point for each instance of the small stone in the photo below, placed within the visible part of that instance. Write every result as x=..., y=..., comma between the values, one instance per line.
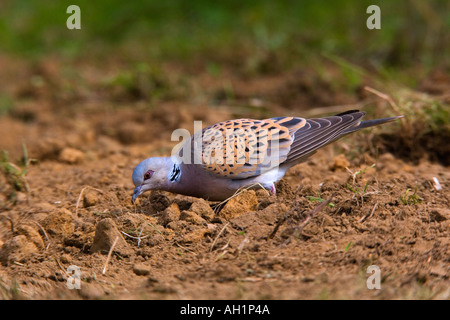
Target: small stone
x=408, y=168
x=141, y=269
x=339, y=163
x=71, y=155
x=90, y=198
x=90, y=291
x=440, y=214
x=21, y=197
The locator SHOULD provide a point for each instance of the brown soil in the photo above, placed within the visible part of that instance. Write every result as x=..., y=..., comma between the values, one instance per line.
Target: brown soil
x=88, y=137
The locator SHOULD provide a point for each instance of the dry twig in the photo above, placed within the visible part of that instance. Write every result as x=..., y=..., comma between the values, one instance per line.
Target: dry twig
x=60, y=266
x=287, y=214
x=81, y=195
x=136, y=238
x=45, y=234
x=369, y=214
x=391, y=102
x=220, y=205
x=218, y=235
x=383, y=96
x=298, y=230
x=109, y=255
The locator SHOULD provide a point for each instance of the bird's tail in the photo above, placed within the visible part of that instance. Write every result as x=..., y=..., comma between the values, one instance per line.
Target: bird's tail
x=367, y=124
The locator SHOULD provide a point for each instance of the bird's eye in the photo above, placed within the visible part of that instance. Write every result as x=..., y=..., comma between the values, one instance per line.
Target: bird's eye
x=148, y=174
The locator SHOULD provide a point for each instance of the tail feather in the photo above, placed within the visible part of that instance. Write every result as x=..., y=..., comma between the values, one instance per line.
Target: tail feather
x=317, y=133
x=368, y=123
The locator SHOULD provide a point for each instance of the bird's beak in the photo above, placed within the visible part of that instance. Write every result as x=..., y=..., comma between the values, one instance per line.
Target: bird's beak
x=136, y=193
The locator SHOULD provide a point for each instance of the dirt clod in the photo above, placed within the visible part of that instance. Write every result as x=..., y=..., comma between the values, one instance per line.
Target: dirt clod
x=60, y=222
x=202, y=208
x=18, y=249
x=195, y=236
x=170, y=214
x=192, y=217
x=243, y=202
x=106, y=233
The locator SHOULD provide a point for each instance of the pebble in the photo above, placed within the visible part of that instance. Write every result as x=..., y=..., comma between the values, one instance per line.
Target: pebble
x=71, y=155
x=90, y=198
x=141, y=269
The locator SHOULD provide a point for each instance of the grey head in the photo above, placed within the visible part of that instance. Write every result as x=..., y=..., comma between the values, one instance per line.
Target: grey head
x=151, y=174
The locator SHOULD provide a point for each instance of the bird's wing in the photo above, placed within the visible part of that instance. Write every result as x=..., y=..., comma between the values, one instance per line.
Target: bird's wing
x=316, y=133
x=243, y=148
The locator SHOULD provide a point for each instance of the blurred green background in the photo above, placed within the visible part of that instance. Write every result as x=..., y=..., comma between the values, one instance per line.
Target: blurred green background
x=286, y=32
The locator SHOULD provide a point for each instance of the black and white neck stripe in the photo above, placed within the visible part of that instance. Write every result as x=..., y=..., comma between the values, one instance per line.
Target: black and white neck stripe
x=175, y=175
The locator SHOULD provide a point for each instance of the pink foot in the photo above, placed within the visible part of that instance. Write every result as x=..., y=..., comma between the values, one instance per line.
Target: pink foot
x=272, y=189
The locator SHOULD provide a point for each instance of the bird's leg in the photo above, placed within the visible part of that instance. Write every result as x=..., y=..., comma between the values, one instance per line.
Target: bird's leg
x=272, y=189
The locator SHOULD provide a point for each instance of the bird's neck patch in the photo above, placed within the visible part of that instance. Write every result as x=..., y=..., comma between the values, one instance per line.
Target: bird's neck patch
x=175, y=175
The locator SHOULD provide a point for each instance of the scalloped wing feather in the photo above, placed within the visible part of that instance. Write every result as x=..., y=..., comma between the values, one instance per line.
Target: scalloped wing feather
x=242, y=148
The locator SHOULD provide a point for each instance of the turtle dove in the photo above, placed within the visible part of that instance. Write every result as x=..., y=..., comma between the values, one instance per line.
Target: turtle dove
x=225, y=157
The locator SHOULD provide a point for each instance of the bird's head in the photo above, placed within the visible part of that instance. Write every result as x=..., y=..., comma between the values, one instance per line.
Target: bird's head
x=150, y=174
